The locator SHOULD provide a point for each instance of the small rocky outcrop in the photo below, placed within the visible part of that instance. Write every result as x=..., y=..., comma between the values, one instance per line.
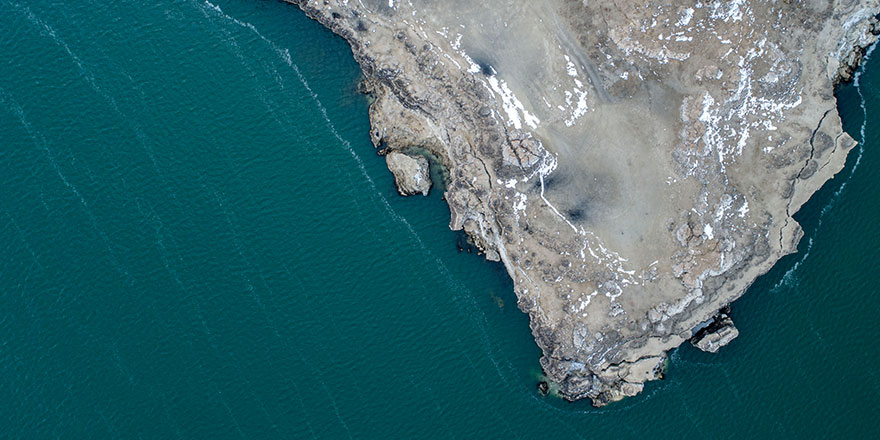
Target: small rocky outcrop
x=410, y=173
x=543, y=388
x=716, y=334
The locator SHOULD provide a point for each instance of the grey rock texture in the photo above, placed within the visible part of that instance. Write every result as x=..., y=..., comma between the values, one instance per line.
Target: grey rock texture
x=717, y=334
x=635, y=164
x=410, y=173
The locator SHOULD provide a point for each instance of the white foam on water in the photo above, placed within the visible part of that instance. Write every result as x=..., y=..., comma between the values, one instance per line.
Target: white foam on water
x=790, y=279
x=232, y=222
x=23, y=237
x=475, y=315
x=89, y=77
x=275, y=111
x=471, y=309
x=284, y=54
x=41, y=143
x=164, y=254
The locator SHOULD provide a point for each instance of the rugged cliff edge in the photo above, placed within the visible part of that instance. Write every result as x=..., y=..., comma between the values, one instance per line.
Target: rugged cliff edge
x=634, y=164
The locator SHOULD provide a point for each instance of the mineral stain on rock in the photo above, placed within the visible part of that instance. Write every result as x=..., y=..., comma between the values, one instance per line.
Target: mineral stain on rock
x=635, y=165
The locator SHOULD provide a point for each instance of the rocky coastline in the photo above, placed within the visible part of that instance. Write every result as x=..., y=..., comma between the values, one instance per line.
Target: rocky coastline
x=635, y=165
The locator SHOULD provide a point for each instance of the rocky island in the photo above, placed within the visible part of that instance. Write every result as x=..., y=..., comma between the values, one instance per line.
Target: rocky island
x=634, y=164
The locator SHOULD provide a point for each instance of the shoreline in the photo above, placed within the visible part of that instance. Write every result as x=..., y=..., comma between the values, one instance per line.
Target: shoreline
x=423, y=101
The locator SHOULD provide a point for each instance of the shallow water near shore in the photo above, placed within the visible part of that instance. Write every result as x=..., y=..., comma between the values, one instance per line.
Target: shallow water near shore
x=198, y=241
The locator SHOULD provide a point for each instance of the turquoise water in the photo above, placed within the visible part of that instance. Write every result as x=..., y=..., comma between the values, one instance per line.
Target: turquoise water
x=199, y=242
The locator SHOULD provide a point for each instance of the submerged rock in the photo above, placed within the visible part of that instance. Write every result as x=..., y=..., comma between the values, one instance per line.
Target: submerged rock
x=411, y=173
x=543, y=388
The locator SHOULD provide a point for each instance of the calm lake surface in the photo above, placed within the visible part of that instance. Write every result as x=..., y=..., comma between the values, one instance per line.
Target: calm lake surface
x=198, y=241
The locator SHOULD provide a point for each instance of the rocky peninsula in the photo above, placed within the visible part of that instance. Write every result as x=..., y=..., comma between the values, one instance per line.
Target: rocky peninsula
x=634, y=164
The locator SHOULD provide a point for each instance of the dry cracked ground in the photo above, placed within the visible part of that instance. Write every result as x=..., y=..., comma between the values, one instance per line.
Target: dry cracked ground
x=634, y=164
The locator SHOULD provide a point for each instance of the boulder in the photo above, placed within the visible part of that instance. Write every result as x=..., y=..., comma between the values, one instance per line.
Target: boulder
x=718, y=334
x=410, y=173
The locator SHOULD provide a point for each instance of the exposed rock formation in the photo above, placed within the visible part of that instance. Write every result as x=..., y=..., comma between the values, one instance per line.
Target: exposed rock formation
x=410, y=173
x=634, y=164
x=717, y=333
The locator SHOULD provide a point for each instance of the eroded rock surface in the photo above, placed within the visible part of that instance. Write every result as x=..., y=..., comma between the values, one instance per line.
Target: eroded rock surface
x=716, y=334
x=410, y=173
x=634, y=164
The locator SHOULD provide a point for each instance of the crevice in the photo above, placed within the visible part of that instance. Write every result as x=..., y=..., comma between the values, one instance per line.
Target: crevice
x=812, y=138
x=833, y=150
x=799, y=174
x=486, y=169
